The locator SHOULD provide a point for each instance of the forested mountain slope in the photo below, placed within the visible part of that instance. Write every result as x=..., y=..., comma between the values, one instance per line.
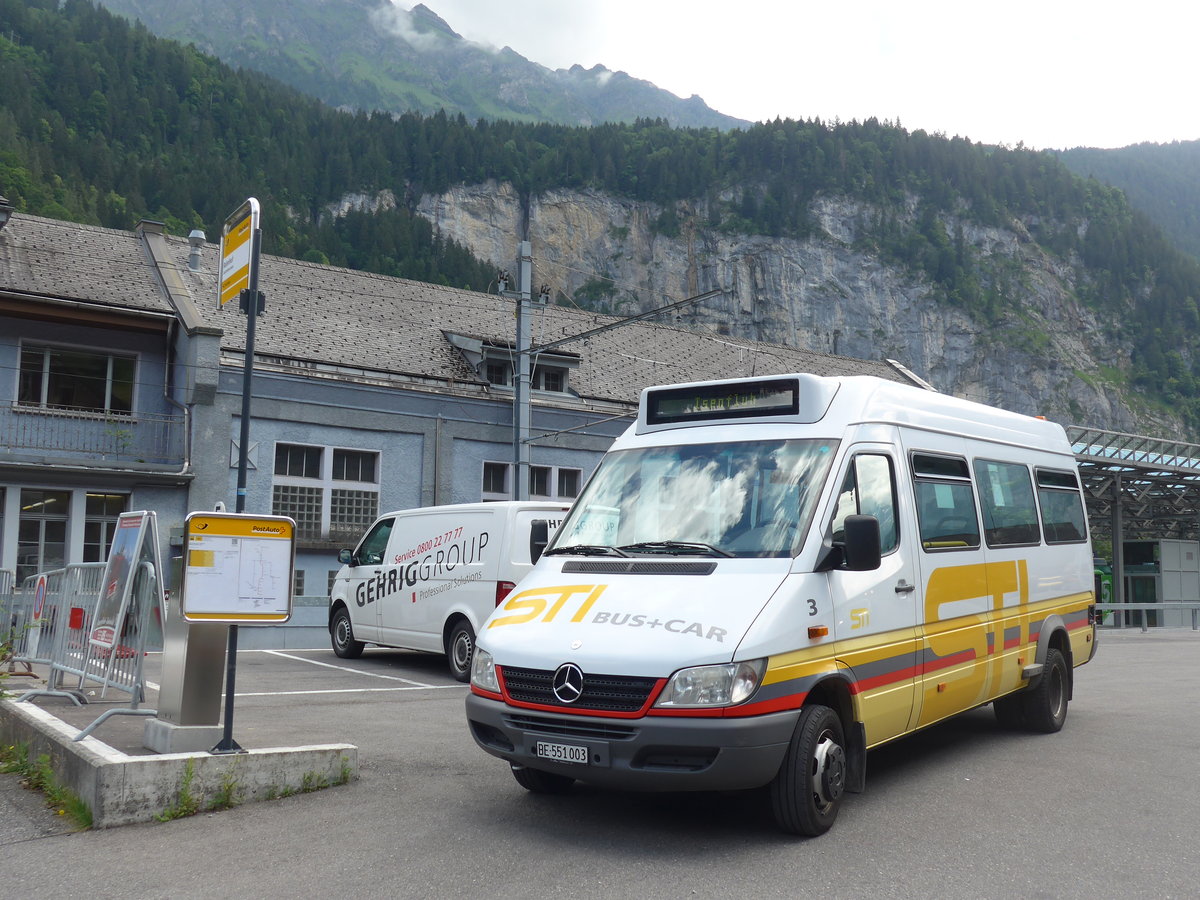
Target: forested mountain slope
x=1161, y=180
x=996, y=273
x=370, y=54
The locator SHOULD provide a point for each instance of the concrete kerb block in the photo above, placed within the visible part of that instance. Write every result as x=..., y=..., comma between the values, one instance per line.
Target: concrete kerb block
x=122, y=789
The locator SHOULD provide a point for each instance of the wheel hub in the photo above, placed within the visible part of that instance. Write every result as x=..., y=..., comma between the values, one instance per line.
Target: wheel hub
x=829, y=771
x=462, y=650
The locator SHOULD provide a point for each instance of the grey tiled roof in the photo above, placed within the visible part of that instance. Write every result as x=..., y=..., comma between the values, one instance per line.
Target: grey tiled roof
x=343, y=317
x=78, y=262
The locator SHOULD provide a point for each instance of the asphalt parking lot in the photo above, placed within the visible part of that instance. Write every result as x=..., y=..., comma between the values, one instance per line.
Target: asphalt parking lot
x=1110, y=807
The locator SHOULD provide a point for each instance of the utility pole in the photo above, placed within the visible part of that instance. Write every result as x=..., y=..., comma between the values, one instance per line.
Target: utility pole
x=524, y=351
x=521, y=411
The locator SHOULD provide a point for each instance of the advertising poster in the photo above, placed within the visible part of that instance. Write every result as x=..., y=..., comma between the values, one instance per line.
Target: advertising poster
x=115, y=589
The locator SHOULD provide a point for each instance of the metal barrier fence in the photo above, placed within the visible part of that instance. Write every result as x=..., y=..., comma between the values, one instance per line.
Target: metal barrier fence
x=8, y=623
x=121, y=666
x=1129, y=615
x=50, y=623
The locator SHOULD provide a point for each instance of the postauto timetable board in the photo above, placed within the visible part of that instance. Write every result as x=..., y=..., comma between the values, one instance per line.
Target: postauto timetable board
x=238, y=568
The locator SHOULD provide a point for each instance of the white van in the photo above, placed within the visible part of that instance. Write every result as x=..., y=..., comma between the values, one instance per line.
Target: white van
x=426, y=579
x=764, y=579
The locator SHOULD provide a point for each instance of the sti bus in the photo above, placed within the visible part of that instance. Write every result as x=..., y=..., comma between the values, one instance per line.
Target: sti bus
x=764, y=579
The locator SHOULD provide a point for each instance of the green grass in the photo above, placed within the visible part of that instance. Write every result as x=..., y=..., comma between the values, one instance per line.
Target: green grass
x=38, y=775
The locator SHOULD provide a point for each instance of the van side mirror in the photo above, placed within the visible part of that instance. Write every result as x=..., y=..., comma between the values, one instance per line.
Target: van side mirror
x=539, y=537
x=346, y=557
x=861, y=550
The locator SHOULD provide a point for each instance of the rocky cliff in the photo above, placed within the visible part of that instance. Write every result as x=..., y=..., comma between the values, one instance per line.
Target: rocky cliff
x=1047, y=354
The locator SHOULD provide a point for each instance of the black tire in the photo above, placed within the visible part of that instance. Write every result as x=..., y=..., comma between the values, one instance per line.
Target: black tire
x=807, y=792
x=460, y=649
x=341, y=635
x=538, y=782
x=1010, y=711
x=1045, y=704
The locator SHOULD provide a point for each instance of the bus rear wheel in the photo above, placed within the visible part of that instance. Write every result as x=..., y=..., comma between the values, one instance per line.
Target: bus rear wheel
x=1046, y=702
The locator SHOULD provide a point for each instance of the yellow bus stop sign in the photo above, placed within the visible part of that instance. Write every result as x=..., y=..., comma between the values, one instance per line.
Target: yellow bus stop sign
x=237, y=257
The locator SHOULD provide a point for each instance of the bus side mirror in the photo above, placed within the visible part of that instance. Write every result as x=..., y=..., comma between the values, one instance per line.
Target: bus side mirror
x=539, y=537
x=861, y=551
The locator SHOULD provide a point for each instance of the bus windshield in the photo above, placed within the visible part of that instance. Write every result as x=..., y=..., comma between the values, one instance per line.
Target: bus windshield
x=744, y=499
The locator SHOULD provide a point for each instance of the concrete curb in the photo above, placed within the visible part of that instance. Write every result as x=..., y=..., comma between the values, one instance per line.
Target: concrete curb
x=121, y=789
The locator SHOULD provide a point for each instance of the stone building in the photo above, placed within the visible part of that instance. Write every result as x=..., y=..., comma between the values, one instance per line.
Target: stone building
x=122, y=381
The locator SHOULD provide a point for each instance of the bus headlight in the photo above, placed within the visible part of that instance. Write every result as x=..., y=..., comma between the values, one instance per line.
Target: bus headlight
x=723, y=685
x=483, y=672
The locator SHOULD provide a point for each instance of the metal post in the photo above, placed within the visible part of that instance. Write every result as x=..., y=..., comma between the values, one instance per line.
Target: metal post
x=1118, y=551
x=520, y=488
x=251, y=301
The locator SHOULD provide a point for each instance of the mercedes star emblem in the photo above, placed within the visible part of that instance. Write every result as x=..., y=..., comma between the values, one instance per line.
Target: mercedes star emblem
x=568, y=683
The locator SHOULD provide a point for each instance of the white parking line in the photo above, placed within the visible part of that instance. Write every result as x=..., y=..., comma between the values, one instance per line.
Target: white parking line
x=317, y=662
x=350, y=690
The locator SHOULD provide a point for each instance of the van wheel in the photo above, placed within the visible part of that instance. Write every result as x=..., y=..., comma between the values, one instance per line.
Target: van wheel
x=538, y=782
x=1046, y=703
x=342, y=637
x=460, y=650
x=807, y=793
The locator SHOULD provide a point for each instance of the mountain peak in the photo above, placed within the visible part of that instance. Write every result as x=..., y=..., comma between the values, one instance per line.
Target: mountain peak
x=425, y=19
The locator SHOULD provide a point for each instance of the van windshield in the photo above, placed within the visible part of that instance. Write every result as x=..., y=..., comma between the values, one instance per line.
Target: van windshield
x=746, y=499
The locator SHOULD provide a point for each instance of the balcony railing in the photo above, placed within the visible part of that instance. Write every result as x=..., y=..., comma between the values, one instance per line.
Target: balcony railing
x=33, y=434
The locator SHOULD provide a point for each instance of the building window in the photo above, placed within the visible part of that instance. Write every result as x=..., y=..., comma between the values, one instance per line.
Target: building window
x=303, y=504
x=298, y=583
x=42, y=532
x=498, y=373
x=101, y=511
x=568, y=483
x=56, y=378
x=545, y=482
x=297, y=461
x=354, y=465
x=495, y=478
x=550, y=378
x=539, y=481
x=331, y=493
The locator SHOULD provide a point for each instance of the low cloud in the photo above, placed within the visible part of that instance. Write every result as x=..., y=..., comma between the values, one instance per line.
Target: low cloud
x=393, y=20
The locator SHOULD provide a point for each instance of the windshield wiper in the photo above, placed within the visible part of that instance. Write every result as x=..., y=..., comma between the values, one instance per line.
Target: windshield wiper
x=676, y=548
x=586, y=550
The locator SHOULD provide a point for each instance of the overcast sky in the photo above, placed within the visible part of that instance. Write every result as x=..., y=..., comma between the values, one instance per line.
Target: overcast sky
x=1048, y=73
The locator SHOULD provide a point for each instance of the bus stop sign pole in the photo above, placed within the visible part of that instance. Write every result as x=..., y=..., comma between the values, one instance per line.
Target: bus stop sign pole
x=251, y=306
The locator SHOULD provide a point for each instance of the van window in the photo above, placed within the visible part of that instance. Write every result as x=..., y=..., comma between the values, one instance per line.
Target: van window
x=373, y=547
x=1062, y=507
x=869, y=489
x=945, y=502
x=744, y=498
x=1006, y=499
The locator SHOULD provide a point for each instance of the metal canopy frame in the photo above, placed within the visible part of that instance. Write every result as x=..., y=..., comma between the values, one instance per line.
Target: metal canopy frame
x=1138, y=486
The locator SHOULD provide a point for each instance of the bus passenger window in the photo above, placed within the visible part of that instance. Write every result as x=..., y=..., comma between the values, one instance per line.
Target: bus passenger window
x=1062, y=507
x=1006, y=498
x=945, y=503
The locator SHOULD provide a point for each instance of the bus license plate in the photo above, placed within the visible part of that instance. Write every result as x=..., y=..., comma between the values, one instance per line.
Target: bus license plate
x=561, y=752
